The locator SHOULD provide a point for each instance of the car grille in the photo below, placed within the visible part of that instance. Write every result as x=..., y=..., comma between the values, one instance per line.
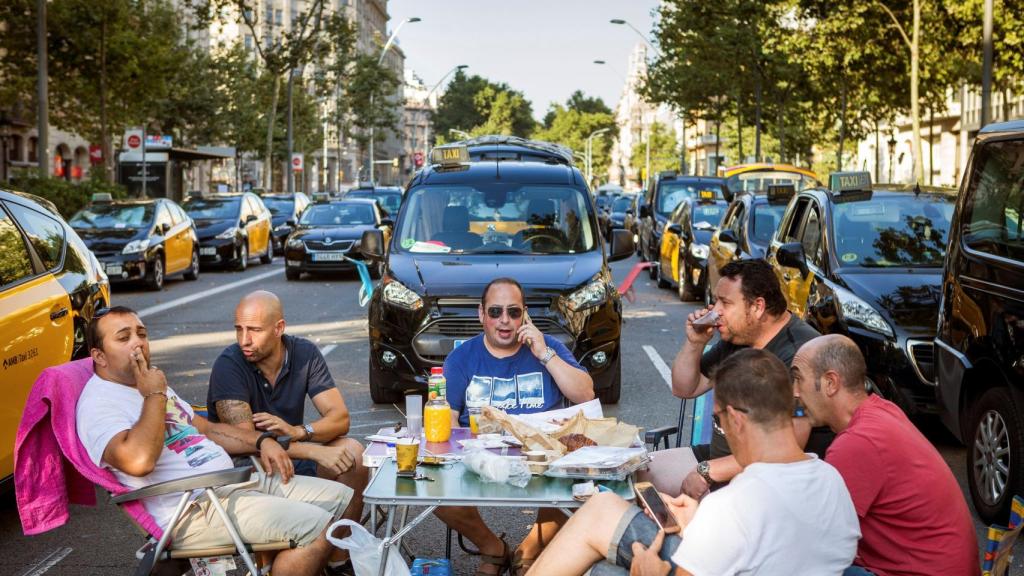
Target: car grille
x=922, y=357
x=335, y=246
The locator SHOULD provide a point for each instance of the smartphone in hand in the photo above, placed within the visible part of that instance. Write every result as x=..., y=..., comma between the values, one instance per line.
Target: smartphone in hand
x=651, y=500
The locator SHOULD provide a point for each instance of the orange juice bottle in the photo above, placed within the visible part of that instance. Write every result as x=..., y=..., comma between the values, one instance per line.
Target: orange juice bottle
x=437, y=414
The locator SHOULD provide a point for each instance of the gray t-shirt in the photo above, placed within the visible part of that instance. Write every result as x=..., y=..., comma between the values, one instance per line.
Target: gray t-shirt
x=784, y=345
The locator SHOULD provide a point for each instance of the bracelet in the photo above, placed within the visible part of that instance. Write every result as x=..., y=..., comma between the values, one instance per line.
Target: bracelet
x=164, y=394
x=263, y=437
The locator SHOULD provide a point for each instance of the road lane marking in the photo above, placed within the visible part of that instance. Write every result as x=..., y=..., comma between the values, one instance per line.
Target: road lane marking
x=659, y=365
x=328, y=349
x=199, y=295
x=51, y=560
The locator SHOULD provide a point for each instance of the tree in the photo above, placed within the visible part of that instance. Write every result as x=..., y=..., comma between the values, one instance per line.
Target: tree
x=572, y=123
x=579, y=102
x=507, y=112
x=476, y=105
x=664, y=151
x=366, y=95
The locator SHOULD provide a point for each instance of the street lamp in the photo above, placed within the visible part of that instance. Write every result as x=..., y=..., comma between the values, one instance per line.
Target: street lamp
x=380, y=60
x=426, y=129
x=635, y=29
x=612, y=68
x=892, y=152
x=460, y=133
x=590, y=152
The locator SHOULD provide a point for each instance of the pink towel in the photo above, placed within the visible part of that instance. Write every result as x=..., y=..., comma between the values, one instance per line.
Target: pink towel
x=51, y=467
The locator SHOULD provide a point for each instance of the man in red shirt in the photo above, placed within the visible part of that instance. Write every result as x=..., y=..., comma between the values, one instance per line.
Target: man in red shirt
x=913, y=517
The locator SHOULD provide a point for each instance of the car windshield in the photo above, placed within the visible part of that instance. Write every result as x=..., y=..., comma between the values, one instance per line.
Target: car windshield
x=621, y=204
x=893, y=231
x=337, y=215
x=213, y=208
x=279, y=205
x=759, y=180
x=390, y=201
x=497, y=218
x=604, y=201
x=671, y=193
x=711, y=214
x=113, y=216
x=766, y=221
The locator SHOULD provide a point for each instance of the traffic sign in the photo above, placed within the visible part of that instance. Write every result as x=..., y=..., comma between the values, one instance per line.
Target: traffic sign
x=417, y=158
x=133, y=139
x=297, y=162
x=95, y=154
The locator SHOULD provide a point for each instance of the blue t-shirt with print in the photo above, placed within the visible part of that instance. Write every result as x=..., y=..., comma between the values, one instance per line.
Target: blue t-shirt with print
x=518, y=384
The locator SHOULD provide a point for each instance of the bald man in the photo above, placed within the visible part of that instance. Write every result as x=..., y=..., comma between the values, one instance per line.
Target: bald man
x=262, y=382
x=913, y=517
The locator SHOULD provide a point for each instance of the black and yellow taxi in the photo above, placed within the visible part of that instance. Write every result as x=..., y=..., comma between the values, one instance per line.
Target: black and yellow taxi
x=757, y=176
x=50, y=287
x=327, y=236
x=139, y=240
x=866, y=261
x=746, y=229
x=285, y=210
x=683, y=255
x=485, y=208
x=232, y=229
x=389, y=197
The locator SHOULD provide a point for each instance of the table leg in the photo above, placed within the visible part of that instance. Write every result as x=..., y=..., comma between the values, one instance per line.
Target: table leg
x=373, y=519
x=390, y=540
x=387, y=540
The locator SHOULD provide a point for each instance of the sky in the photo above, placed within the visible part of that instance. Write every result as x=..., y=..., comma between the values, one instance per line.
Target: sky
x=542, y=48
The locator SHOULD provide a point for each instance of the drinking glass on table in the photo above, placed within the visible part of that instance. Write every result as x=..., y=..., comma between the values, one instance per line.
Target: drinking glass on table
x=407, y=452
x=414, y=414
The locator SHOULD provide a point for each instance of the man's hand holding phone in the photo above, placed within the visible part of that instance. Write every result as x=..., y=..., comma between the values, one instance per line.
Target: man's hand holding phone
x=655, y=505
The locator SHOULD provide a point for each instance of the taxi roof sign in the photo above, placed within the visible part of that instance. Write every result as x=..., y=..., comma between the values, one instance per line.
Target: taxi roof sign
x=840, y=182
x=450, y=155
x=102, y=197
x=778, y=193
x=707, y=194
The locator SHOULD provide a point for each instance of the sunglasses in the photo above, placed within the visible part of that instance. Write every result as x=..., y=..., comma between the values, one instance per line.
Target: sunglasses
x=514, y=312
x=717, y=421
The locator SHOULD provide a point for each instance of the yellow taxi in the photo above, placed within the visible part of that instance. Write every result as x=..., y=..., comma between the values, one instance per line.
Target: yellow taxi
x=755, y=177
x=50, y=286
x=683, y=253
x=139, y=240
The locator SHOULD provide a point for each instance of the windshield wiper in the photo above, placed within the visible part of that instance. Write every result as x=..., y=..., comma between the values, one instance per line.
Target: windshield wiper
x=496, y=251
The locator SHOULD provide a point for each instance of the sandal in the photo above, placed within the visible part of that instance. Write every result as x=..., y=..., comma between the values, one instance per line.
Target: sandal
x=503, y=562
x=521, y=565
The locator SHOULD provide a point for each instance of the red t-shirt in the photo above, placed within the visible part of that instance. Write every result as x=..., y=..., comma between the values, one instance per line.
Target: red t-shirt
x=913, y=517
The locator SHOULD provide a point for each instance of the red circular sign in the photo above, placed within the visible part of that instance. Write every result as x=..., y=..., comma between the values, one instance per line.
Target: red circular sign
x=296, y=161
x=134, y=141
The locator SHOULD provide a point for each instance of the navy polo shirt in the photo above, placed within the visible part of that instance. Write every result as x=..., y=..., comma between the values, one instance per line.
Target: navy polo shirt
x=303, y=374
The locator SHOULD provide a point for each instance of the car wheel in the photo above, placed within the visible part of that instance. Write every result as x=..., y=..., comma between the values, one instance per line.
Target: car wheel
x=686, y=292
x=292, y=273
x=155, y=278
x=994, y=455
x=243, y=255
x=193, y=271
x=268, y=258
x=708, y=299
x=379, y=393
x=611, y=394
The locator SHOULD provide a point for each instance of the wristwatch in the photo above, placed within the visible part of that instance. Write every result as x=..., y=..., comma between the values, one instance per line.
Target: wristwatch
x=704, y=469
x=284, y=440
x=309, y=431
x=549, y=353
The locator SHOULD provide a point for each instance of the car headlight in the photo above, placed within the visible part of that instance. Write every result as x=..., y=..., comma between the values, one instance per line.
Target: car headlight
x=282, y=227
x=856, y=310
x=396, y=293
x=594, y=293
x=295, y=242
x=228, y=234
x=136, y=246
x=699, y=251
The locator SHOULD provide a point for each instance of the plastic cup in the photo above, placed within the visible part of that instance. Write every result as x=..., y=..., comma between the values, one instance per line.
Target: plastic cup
x=474, y=413
x=414, y=414
x=407, y=451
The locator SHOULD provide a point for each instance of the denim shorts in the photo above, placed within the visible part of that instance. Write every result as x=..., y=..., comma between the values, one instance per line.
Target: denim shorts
x=634, y=526
x=305, y=467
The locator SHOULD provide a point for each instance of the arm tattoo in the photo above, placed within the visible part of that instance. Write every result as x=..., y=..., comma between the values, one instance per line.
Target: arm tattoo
x=234, y=411
x=225, y=438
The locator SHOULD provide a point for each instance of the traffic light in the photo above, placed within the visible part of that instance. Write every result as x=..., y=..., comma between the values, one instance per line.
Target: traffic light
x=394, y=162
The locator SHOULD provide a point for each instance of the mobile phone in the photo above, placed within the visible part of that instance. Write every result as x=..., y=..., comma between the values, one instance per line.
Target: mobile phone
x=708, y=319
x=526, y=317
x=656, y=506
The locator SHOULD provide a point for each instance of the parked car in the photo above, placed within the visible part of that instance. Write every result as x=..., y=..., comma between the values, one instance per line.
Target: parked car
x=979, y=347
x=866, y=261
x=683, y=258
x=285, y=210
x=618, y=213
x=327, y=236
x=232, y=228
x=663, y=195
x=51, y=285
x=389, y=197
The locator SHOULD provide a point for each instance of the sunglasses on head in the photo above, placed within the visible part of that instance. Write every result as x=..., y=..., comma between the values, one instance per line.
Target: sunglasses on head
x=514, y=312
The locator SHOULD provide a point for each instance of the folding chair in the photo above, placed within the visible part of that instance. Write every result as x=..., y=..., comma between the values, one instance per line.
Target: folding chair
x=700, y=425
x=999, y=549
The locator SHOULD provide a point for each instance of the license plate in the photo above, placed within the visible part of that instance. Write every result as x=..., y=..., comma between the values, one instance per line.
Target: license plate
x=208, y=251
x=113, y=269
x=457, y=343
x=328, y=257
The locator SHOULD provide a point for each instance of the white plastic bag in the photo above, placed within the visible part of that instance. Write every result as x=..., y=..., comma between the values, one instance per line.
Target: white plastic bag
x=365, y=549
x=494, y=468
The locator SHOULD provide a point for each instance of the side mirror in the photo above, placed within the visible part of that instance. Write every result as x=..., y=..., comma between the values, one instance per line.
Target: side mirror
x=728, y=235
x=290, y=222
x=629, y=211
x=164, y=228
x=622, y=246
x=387, y=222
x=372, y=245
x=676, y=229
x=645, y=211
x=250, y=218
x=727, y=193
x=792, y=255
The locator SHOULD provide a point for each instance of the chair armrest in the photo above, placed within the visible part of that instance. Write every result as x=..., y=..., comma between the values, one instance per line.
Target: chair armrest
x=660, y=434
x=189, y=483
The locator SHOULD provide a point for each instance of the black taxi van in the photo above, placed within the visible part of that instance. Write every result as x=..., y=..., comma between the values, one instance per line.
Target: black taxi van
x=979, y=346
x=485, y=208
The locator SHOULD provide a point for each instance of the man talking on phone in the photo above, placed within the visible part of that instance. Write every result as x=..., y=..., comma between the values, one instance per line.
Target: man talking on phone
x=787, y=512
x=515, y=367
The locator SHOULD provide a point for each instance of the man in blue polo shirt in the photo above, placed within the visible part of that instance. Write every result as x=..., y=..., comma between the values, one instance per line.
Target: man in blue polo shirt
x=262, y=382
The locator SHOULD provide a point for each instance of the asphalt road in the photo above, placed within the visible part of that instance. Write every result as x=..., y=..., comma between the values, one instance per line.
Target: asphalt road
x=191, y=322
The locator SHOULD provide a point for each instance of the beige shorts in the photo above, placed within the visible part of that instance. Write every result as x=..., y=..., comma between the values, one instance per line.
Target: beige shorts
x=264, y=510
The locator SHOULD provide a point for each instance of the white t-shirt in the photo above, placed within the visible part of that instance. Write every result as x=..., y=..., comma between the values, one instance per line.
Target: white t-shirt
x=771, y=519
x=107, y=408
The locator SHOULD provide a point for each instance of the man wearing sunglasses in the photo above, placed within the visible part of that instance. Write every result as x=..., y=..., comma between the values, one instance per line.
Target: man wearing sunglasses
x=786, y=512
x=514, y=367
